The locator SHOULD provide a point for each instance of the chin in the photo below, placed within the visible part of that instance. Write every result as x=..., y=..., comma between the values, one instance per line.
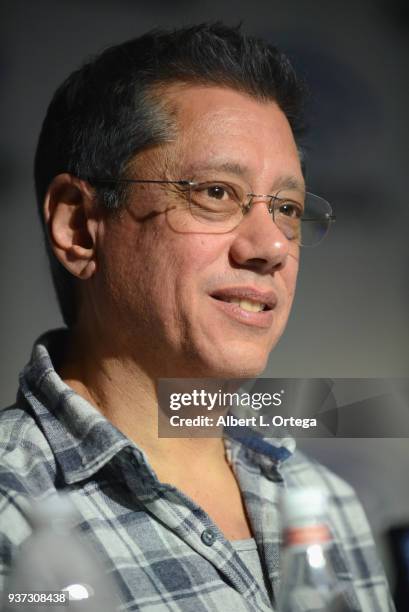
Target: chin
x=227, y=367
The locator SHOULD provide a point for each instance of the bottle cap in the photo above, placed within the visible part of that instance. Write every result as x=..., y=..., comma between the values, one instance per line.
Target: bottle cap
x=299, y=504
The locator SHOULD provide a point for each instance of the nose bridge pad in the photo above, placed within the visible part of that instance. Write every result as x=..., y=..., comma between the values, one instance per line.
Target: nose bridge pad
x=271, y=207
x=268, y=200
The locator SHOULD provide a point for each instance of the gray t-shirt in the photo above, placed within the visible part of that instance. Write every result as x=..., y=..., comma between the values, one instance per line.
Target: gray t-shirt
x=248, y=553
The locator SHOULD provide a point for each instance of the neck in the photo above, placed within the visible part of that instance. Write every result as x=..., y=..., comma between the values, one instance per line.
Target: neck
x=124, y=392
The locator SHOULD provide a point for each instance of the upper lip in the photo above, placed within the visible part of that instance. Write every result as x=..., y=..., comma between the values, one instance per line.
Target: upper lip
x=268, y=298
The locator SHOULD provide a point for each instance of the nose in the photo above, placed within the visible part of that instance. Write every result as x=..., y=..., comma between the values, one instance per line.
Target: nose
x=258, y=243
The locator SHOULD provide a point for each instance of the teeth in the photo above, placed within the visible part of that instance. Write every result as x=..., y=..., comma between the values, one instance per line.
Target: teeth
x=247, y=305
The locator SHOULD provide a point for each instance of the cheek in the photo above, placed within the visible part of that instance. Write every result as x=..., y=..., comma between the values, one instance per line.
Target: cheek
x=124, y=266
x=151, y=269
x=168, y=267
x=189, y=260
x=193, y=254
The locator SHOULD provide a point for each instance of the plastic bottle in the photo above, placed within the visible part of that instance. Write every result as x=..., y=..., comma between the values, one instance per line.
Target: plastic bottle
x=308, y=581
x=55, y=559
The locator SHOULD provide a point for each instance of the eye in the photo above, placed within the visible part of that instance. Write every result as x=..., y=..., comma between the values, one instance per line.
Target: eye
x=217, y=197
x=217, y=192
x=290, y=209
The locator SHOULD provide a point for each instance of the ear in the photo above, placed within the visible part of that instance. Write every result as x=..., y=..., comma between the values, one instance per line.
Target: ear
x=72, y=223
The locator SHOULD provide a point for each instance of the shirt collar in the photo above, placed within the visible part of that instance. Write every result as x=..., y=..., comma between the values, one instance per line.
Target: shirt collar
x=83, y=440
x=262, y=449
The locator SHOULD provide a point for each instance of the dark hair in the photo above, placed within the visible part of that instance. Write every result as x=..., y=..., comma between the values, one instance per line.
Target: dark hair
x=106, y=112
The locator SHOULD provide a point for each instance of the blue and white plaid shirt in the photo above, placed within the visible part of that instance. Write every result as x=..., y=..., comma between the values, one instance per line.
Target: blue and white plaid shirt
x=163, y=551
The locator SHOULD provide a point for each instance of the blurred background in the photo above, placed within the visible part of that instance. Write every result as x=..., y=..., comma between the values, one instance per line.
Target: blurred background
x=350, y=318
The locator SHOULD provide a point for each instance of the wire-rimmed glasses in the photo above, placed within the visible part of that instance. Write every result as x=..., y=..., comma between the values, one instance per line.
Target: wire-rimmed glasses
x=218, y=207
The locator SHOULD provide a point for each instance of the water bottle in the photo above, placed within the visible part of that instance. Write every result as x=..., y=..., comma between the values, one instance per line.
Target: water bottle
x=54, y=568
x=308, y=581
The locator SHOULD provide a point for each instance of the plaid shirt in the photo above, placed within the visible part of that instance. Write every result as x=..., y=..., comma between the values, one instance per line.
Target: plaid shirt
x=163, y=551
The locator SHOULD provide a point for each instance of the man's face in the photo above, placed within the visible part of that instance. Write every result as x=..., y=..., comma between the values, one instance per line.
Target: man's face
x=187, y=304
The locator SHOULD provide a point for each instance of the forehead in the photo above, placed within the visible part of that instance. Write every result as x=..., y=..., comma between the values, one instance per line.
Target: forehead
x=218, y=126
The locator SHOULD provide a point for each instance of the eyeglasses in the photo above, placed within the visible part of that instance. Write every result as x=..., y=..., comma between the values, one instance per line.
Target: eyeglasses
x=217, y=207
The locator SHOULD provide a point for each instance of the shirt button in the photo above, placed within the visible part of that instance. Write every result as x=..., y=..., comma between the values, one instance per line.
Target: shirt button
x=208, y=536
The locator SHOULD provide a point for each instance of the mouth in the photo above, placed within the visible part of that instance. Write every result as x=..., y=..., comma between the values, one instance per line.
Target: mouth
x=248, y=305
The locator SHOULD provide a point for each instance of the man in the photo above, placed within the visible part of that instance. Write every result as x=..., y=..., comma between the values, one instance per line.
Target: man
x=170, y=260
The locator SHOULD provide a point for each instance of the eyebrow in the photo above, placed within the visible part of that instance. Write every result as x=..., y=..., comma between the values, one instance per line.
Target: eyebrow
x=282, y=182
x=290, y=182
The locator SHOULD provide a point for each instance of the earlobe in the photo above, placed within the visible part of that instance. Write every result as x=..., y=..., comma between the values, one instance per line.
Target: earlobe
x=69, y=212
